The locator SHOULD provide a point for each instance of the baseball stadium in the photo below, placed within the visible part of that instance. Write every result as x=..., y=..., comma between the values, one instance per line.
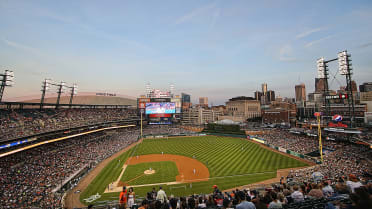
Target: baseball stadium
x=185, y=104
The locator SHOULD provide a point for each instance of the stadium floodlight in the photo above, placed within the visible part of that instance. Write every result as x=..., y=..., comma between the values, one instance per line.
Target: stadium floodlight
x=63, y=87
x=321, y=66
x=46, y=84
x=74, y=89
x=6, y=79
x=344, y=63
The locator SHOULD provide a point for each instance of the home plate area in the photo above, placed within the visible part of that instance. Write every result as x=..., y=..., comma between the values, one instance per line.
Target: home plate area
x=155, y=169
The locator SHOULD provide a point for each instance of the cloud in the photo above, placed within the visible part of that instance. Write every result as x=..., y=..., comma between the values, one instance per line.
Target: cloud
x=197, y=12
x=286, y=54
x=317, y=41
x=365, y=45
x=308, y=32
x=21, y=46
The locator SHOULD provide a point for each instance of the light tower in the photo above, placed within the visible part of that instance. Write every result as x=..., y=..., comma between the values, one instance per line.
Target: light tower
x=61, y=89
x=6, y=79
x=73, y=92
x=323, y=74
x=45, y=86
x=344, y=66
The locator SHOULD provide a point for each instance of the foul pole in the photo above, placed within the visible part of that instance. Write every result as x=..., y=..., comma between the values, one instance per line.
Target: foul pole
x=318, y=114
x=141, y=123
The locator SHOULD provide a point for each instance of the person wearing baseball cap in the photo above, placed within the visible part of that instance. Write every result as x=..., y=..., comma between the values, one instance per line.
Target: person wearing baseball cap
x=216, y=191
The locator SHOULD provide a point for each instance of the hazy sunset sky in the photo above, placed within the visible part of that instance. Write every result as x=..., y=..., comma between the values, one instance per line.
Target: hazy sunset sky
x=219, y=49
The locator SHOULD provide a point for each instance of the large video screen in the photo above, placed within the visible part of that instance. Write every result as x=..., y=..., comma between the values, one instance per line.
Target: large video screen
x=160, y=107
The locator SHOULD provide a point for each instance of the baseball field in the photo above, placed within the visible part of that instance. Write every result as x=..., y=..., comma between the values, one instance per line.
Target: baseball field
x=188, y=165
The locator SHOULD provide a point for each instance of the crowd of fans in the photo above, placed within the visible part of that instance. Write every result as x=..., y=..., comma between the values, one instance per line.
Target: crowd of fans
x=21, y=123
x=27, y=178
x=340, y=158
x=164, y=129
x=344, y=193
x=296, y=142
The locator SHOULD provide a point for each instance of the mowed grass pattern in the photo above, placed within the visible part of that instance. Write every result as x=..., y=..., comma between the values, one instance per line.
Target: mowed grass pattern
x=164, y=172
x=231, y=162
x=223, y=156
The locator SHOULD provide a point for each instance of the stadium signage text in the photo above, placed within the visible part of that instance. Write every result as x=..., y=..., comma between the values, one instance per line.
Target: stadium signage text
x=106, y=94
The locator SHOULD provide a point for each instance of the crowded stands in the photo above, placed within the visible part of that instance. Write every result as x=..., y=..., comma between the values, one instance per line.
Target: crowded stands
x=21, y=123
x=33, y=178
x=340, y=159
x=28, y=178
x=343, y=193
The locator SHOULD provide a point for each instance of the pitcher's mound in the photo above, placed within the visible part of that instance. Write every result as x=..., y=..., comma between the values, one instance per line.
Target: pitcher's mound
x=149, y=172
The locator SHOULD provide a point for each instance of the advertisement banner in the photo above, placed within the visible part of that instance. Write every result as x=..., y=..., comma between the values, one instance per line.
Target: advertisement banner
x=160, y=115
x=160, y=108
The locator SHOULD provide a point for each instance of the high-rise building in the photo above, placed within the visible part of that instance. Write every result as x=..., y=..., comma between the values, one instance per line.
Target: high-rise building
x=354, y=87
x=300, y=92
x=270, y=96
x=264, y=89
x=365, y=87
x=186, y=97
x=242, y=108
x=203, y=101
x=319, y=85
x=257, y=95
x=186, y=101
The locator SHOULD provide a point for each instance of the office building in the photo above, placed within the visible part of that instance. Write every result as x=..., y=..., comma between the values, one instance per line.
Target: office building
x=300, y=92
x=203, y=101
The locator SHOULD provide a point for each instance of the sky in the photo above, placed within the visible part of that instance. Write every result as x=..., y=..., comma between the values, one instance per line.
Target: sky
x=213, y=48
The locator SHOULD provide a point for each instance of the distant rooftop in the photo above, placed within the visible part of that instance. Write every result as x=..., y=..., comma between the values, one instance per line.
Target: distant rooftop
x=241, y=98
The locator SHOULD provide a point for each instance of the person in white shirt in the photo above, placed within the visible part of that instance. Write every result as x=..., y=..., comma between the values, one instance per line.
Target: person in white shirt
x=353, y=183
x=297, y=196
x=327, y=189
x=161, y=195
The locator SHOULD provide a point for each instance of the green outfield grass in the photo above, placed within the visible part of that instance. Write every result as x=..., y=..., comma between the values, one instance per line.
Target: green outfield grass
x=231, y=162
x=164, y=172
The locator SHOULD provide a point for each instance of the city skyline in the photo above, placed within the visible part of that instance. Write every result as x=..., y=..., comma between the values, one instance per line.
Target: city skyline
x=211, y=49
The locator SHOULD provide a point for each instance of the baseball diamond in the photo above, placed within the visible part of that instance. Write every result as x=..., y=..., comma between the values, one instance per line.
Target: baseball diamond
x=226, y=161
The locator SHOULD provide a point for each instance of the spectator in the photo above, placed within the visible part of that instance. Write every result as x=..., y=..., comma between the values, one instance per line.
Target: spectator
x=123, y=198
x=296, y=195
x=161, y=196
x=173, y=203
x=243, y=203
x=131, y=197
x=275, y=203
x=353, y=183
x=191, y=203
x=226, y=203
x=145, y=204
x=315, y=192
x=327, y=189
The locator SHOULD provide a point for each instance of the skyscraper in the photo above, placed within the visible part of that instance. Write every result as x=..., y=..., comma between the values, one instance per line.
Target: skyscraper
x=319, y=85
x=270, y=96
x=300, y=92
x=203, y=101
x=185, y=97
x=264, y=89
x=354, y=87
x=257, y=95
